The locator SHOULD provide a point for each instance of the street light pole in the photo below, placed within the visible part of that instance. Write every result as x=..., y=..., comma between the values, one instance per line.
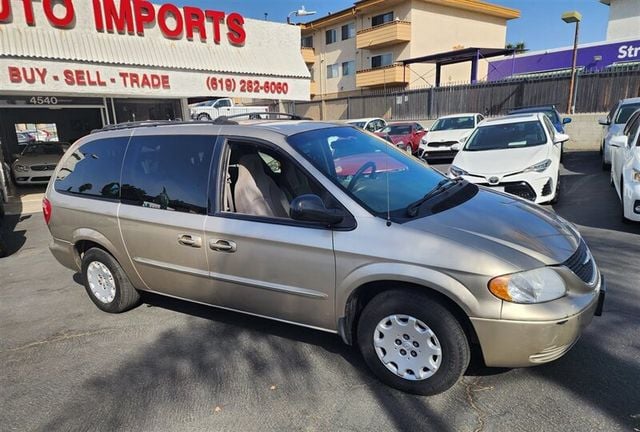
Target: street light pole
x=302, y=12
x=573, y=17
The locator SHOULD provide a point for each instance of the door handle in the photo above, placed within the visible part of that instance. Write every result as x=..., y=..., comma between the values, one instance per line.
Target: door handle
x=223, y=246
x=189, y=240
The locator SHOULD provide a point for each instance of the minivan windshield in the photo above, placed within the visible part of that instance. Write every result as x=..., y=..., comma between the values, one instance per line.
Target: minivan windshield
x=374, y=173
x=453, y=123
x=506, y=136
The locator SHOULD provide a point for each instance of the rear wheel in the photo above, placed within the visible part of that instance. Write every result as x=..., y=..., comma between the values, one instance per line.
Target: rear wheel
x=106, y=282
x=204, y=117
x=412, y=342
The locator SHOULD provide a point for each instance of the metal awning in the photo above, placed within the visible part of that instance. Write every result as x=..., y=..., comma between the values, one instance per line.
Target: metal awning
x=459, y=56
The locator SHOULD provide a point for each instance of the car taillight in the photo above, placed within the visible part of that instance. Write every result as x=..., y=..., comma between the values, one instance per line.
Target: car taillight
x=46, y=210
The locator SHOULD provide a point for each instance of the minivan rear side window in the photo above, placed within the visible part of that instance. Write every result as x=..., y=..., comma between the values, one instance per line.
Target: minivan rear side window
x=93, y=170
x=168, y=172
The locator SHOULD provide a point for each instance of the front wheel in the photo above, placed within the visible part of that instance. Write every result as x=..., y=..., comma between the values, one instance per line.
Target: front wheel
x=412, y=342
x=106, y=282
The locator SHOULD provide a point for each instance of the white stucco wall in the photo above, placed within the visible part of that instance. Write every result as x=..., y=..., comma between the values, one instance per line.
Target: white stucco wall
x=624, y=19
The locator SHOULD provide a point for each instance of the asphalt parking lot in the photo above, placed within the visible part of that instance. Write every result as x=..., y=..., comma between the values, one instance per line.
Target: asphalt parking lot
x=171, y=365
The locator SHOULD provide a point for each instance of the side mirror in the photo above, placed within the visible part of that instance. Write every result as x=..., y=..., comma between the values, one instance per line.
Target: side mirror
x=619, y=141
x=604, y=122
x=311, y=208
x=456, y=147
x=566, y=120
x=560, y=138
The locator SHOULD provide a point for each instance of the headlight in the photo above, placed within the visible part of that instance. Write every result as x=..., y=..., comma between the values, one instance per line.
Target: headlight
x=457, y=172
x=21, y=168
x=533, y=286
x=539, y=167
x=636, y=175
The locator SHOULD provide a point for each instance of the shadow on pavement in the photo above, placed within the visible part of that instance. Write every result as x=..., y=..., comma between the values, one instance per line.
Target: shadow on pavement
x=12, y=240
x=230, y=356
x=587, y=197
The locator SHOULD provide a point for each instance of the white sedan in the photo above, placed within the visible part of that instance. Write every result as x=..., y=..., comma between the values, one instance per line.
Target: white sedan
x=447, y=134
x=625, y=168
x=519, y=154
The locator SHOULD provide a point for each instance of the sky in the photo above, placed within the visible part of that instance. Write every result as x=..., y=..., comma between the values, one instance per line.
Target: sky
x=539, y=26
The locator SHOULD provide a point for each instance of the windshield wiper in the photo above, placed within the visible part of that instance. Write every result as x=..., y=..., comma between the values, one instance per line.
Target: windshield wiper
x=443, y=185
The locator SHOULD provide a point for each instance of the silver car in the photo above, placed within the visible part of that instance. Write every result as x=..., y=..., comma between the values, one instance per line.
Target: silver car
x=37, y=162
x=328, y=227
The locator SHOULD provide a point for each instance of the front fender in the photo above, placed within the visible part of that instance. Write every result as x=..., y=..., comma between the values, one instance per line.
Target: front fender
x=417, y=275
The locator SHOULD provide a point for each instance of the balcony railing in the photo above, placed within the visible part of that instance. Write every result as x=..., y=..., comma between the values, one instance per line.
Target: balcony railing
x=392, y=75
x=313, y=88
x=391, y=33
x=309, y=55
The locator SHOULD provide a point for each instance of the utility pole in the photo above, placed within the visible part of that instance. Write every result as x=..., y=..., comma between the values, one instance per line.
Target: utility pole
x=573, y=17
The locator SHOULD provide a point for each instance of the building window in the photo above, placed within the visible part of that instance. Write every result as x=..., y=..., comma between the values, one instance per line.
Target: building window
x=381, y=60
x=381, y=19
x=307, y=42
x=333, y=71
x=348, y=68
x=331, y=36
x=348, y=31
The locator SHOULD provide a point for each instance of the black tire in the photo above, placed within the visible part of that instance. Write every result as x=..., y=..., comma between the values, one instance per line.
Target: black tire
x=204, y=117
x=452, y=338
x=126, y=296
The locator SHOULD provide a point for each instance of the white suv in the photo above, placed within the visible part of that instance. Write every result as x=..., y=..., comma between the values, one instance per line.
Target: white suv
x=614, y=124
x=519, y=154
x=625, y=168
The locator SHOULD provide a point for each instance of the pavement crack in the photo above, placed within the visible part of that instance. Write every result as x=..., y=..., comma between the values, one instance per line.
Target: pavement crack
x=471, y=388
x=57, y=338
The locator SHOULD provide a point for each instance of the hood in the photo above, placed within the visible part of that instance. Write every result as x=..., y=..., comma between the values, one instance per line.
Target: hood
x=504, y=161
x=447, y=135
x=45, y=159
x=400, y=138
x=510, y=229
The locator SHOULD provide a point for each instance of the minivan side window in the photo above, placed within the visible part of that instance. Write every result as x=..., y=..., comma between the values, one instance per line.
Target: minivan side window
x=93, y=170
x=168, y=172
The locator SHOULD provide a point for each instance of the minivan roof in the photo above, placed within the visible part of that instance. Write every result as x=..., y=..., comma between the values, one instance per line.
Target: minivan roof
x=283, y=127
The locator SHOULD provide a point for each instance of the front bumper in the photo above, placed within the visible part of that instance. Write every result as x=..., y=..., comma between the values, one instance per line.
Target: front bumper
x=32, y=177
x=507, y=343
x=529, y=186
x=631, y=191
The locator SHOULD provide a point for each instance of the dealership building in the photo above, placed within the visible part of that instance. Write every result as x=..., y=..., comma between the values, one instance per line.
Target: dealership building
x=71, y=66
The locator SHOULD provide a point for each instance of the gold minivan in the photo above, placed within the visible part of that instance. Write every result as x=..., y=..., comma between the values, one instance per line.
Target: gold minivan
x=329, y=227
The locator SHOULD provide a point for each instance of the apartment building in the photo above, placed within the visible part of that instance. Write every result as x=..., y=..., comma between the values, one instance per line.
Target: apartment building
x=360, y=47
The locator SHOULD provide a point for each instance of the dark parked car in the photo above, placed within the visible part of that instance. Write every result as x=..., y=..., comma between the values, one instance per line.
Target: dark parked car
x=551, y=111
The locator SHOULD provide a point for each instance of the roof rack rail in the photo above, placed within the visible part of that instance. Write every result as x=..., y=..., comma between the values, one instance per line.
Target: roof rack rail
x=144, y=123
x=258, y=116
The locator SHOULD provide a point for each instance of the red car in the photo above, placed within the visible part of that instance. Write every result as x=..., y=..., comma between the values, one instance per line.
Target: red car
x=406, y=135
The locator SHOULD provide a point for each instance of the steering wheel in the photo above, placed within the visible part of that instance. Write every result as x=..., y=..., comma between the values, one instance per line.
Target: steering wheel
x=361, y=172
